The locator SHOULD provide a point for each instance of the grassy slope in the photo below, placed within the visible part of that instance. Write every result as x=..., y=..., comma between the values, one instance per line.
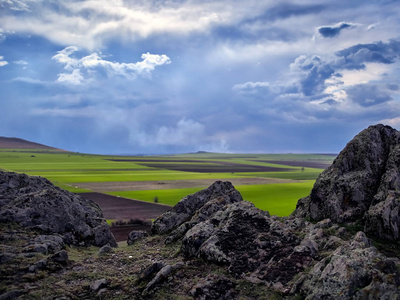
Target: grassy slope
x=65, y=169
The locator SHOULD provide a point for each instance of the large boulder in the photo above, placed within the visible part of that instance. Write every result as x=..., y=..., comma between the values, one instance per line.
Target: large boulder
x=34, y=202
x=217, y=195
x=362, y=184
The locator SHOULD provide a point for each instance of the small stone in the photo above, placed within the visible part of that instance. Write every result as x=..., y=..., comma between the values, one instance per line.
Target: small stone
x=136, y=235
x=106, y=249
x=99, y=284
x=60, y=257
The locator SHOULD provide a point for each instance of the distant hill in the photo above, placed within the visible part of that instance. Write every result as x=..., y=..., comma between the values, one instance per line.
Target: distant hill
x=16, y=143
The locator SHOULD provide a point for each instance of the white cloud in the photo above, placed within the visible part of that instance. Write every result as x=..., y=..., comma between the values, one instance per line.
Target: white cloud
x=90, y=63
x=20, y=62
x=186, y=132
x=17, y=5
x=74, y=78
x=89, y=23
x=3, y=62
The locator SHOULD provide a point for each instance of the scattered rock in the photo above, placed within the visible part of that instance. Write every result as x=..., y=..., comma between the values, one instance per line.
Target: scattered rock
x=150, y=271
x=135, y=236
x=11, y=295
x=39, y=265
x=99, y=284
x=60, y=257
x=106, y=249
x=6, y=257
x=214, y=287
x=160, y=277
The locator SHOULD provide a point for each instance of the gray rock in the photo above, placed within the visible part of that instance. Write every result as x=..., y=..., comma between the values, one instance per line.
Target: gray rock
x=355, y=270
x=362, y=184
x=34, y=202
x=39, y=265
x=147, y=273
x=60, y=257
x=53, y=243
x=11, y=295
x=214, y=287
x=136, y=235
x=251, y=243
x=161, y=276
x=106, y=249
x=99, y=284
x=38, y=248
x=6, y=257
x=189, y=205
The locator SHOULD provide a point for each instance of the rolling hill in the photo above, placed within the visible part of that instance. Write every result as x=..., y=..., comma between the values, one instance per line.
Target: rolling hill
x=16, y=143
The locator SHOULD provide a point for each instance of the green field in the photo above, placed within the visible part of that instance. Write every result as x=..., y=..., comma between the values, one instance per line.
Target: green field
x=72, y=170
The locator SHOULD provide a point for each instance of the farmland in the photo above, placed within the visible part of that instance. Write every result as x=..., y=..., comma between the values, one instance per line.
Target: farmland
x=272, y=182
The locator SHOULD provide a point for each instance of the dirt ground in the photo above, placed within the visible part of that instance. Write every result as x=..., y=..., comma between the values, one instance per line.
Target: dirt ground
x=305, y=164
x=117, y=208
x=102, y=187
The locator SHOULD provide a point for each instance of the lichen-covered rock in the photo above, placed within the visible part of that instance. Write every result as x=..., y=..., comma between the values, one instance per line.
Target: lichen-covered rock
x=136, y=235
x=35, y=203
x=355, y=270
x=189, y=205
x=383, y=217
x=214, y=287
x=363, y=183
x=252, y=244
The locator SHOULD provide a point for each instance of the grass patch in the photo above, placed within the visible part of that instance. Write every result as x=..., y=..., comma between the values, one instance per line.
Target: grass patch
x=279, y=199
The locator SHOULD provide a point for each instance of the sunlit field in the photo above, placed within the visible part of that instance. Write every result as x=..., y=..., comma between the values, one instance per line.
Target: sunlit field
x=289, y=176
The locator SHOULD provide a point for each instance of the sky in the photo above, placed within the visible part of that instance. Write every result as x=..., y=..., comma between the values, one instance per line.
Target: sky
x=175, y=76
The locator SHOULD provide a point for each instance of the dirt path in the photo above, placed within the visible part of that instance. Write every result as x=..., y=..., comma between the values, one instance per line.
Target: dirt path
x=102, y=187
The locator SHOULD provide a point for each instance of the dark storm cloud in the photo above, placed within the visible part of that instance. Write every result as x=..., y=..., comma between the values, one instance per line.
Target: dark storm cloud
x=356, y=56
x=332, y=31
x=368, y=95
x=287, y=10
x=313, y=73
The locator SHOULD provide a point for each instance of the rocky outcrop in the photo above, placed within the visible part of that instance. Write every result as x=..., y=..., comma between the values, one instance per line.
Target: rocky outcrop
x=293, y=256
x=34, y=202
x=355, y=270
x=195, y=208
x=251, y=243
x=362, y=184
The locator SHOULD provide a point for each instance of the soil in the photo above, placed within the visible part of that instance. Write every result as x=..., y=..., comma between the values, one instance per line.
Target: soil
x=305, y=164
x=207, y=167
x=121, y=232
x=172, y=184
x=117, y=208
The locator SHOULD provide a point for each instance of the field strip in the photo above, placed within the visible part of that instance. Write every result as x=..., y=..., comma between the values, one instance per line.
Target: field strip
x=102, y=187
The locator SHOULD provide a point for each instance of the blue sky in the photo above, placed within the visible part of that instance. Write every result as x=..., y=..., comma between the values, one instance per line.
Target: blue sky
x=146, y=77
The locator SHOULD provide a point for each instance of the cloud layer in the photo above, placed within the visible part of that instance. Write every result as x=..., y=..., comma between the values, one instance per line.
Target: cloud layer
x=181, y=76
